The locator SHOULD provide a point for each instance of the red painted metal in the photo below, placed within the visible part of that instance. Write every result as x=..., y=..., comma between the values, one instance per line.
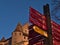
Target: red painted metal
x=39, y=20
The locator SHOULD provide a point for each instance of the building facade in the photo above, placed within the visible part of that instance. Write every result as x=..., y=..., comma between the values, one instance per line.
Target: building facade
x=19, y=36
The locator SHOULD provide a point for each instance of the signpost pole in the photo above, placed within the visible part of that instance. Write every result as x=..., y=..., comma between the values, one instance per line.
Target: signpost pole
x=49, y=40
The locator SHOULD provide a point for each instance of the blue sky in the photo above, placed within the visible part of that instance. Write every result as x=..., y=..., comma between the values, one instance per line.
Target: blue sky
x=14, y=11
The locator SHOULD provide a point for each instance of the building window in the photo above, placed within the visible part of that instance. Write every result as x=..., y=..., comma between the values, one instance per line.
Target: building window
x=15, y=33
x=24, y=37
x=19, y=33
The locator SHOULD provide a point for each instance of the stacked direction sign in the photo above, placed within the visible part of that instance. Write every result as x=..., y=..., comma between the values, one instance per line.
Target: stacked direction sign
x=34, y=37
x=40, y=20
x=37, y=18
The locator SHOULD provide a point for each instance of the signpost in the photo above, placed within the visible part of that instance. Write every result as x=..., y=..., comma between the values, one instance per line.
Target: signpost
x=49, y=40
x=36, y=19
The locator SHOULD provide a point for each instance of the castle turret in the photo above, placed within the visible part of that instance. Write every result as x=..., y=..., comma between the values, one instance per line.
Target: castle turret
x=3, y=39
x=18, y=28
x=20, y=35
x=25, y=33
x=17, y=35
x=25, y=28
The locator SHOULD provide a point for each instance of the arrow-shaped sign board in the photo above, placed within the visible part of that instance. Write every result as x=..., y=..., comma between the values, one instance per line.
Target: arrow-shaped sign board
x=40, y=31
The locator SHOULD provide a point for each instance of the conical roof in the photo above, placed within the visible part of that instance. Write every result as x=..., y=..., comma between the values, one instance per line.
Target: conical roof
x=18, y=28
x=3, y=39
x=26, y=25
